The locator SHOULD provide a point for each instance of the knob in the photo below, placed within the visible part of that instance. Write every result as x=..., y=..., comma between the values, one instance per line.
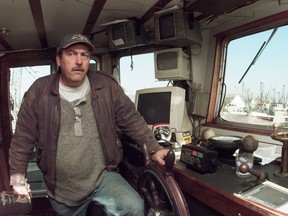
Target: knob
x=261, y=176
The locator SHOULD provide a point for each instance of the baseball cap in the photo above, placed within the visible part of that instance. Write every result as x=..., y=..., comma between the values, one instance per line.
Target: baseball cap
x=74, y=39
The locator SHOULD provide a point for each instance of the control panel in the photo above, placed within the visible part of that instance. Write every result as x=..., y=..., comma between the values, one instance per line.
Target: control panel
x=199, y=158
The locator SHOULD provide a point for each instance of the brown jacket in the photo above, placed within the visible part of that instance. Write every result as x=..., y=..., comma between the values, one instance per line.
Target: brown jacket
x=39, y=120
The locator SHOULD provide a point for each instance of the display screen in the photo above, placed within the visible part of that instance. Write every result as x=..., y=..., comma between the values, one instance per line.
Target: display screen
x=167, y=61
x=166, y=26
x=272, y=196
x=155, y=107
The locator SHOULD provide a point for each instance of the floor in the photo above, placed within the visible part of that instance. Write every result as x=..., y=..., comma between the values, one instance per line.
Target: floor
x=41, y=207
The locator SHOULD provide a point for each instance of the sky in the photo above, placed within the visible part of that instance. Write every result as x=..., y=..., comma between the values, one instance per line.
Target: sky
x=142, y=75
x=270, y=69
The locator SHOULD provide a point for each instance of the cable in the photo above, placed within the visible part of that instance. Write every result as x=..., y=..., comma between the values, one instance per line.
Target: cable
x=222, y=100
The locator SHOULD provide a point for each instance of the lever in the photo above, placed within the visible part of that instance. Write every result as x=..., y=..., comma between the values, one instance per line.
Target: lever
x=261, y=176
x=169, y=162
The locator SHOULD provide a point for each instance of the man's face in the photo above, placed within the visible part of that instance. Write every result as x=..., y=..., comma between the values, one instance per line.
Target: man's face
x=74, y=64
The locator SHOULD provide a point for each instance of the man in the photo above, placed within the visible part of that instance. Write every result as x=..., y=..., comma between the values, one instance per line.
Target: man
x=71, y=117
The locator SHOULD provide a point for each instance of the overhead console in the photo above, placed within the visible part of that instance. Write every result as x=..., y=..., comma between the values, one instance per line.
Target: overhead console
x=174, y=27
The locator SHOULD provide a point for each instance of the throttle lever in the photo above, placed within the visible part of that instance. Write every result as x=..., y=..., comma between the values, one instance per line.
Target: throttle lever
x=169, y=162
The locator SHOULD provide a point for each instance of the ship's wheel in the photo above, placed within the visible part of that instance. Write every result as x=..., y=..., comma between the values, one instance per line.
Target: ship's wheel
x=159, y=189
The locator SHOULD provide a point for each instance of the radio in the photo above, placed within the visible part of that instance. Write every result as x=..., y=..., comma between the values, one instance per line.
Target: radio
x=199, y=158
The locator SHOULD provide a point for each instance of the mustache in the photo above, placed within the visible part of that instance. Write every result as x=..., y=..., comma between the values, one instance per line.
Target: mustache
x=78, y=69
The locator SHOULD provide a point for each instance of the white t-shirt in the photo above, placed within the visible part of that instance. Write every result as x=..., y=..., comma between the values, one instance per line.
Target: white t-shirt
x=74, y=93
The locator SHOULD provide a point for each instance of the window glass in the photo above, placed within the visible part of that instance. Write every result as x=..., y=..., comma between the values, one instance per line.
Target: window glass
x=21, y=78
x=93, y=65
x=255, y=79
x=138, y=72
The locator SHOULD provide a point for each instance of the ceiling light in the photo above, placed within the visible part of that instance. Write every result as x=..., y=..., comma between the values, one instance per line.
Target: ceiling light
x=4, y=31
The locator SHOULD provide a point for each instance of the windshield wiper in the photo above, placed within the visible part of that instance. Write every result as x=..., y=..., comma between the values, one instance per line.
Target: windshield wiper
x=264, y=45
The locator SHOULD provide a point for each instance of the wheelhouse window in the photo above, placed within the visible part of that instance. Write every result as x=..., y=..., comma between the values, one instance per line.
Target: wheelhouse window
x=21, y=78
x=94, y=64
x=255, y=80
x=137, y=72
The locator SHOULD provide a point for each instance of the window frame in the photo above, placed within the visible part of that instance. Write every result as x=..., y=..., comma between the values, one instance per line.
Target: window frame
x=98, y=65
x=222, y=39
x=15, y=59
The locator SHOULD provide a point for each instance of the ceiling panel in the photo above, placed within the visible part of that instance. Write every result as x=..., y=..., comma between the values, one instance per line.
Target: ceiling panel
x=16, y=16
x=61, y=17
x=65, y=18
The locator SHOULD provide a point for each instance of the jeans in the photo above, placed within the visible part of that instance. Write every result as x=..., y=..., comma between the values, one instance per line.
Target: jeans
x=116, y=195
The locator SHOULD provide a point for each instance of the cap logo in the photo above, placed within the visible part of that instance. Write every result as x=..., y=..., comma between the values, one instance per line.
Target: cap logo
x=73, y=39
x=78, y=36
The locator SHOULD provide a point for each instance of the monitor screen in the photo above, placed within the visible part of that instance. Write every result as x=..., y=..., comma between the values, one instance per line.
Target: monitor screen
x=167, y=61
x=172, y=64
x=155, y=107
x=177, y=28
x=166, y=26
x=164, y=105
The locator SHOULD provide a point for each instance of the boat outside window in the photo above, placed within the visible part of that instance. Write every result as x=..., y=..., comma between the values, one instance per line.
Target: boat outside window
x=255, y=79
